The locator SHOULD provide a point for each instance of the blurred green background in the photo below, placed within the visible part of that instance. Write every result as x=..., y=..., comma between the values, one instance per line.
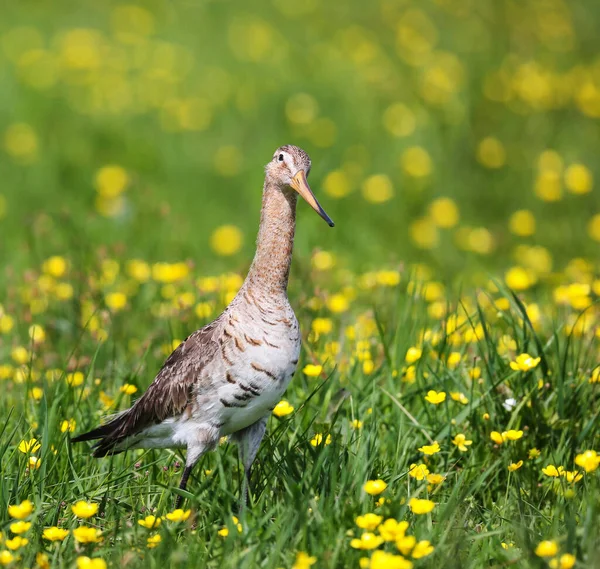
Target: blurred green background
x=458, y=133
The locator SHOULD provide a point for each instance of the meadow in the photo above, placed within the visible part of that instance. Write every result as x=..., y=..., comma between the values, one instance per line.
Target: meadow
x=445, y=408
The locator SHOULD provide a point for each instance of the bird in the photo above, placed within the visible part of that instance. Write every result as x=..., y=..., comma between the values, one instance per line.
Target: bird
x=226, y=378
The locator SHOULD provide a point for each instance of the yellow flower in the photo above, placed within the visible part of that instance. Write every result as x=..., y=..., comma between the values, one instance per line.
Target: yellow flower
x=533, y=453
x=42, y=561
x=226, y=240
x=434, y=397
x=374, y=487
x=322, y=325
x=435, y=478
x=75, y=379
x=522, y=223
x=224, y=532
x=367, y=540
x=356, y=424
x=368, y=521
x=178, y=515
x=572, y=476
x=419, y=472
x=86, y=534
x=84, y=510
x=430, y=449
x=153, y=541
x=444, y=212
x=84, y=562
x=589, y=460
x=378, y=189
x=512, y=435
x=20, y=511
x=128, y=389
x=524, y=362
x=68, y=425
x=6, y=557
x=30, y=446
x=111, y=180
x=546, y=549
x=115, y=301
x=318, y=439
x=552, y=471
x=312, y=370
x=422, y=549
x=405, y=543
x=304, y=560
x=412, y=355
x=453, y=360
x=36, y=334
x=55, y=533
x=416, y=162
x=578, y=179
x=565, y=561
x=491, y=153
x=461, y=442
x=458, y=396
x=282, y=409
x=16, y=542
x=515, y=466
x=34, y=462
x=391, y=530
x=20, y=527
x=384, y=560
x=21, y=142
x=150, y=522
x=420, y=506
x=337, y=303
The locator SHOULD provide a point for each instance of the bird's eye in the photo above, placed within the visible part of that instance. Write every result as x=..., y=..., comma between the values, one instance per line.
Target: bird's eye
x=280, y=158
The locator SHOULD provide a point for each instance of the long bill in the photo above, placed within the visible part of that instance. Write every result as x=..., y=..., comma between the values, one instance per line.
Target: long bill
x=300, y=184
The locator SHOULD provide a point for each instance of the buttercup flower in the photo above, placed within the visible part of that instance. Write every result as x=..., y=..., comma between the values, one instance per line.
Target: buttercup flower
x=20, y=527
x=304, y=561
x=434, y=397
x=282, y=409
x=524, y=362
x=86, y=534
x=430, y=449
x=153, y=541
x=84, y=562
x=422, y=549
x=367, y=540
x=55, y=533
x=84, y=510
x=20, y=511
x=419, y=471
x=178, y=515
x=515, y=466
x=420, y=506
x=391, y=530
x=589, y=460
x=461, y=442
x=374, y=487
x=546, y=549
x=319, y=438
x=150, y=522
x=368, y=521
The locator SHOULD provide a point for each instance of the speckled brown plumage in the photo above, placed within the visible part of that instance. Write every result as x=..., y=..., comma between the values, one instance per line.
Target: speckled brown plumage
x=225, y=378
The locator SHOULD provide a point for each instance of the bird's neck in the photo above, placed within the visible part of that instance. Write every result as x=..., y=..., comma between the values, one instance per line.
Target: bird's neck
x=270, y=268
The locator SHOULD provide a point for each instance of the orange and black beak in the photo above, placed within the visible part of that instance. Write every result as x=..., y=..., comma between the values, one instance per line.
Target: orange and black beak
x=300, y=184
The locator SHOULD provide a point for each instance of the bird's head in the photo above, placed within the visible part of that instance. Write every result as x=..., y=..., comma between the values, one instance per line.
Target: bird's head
x=289, y=168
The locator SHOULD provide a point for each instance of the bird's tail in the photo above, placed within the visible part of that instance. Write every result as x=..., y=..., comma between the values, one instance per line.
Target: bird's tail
x=110, y=436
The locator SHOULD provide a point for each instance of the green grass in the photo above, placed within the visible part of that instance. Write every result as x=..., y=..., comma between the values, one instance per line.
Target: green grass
x=189, y=100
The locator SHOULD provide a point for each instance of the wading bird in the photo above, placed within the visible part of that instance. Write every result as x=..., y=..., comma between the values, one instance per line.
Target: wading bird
x=226, y=378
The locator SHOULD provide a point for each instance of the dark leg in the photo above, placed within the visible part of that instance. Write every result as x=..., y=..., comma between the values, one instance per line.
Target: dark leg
x=184, y=478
